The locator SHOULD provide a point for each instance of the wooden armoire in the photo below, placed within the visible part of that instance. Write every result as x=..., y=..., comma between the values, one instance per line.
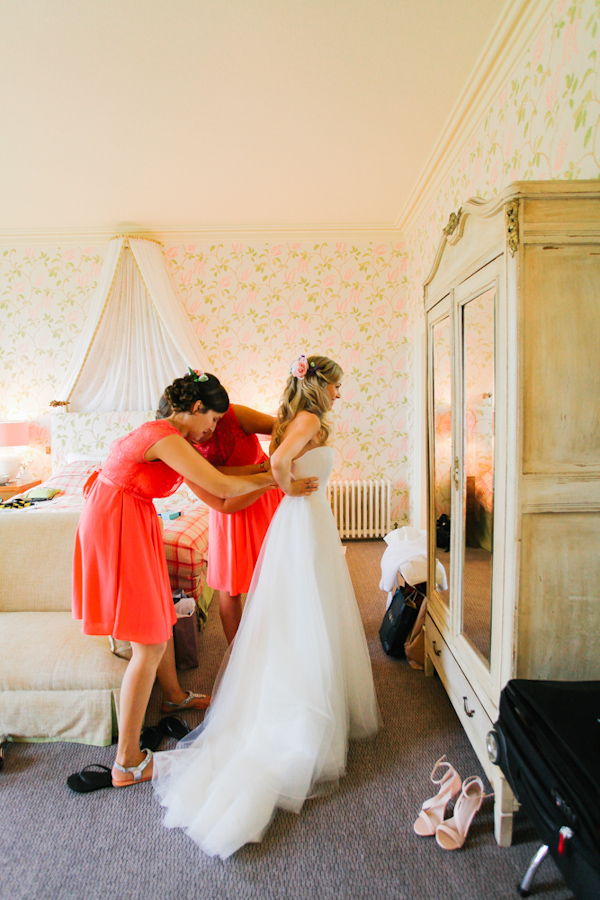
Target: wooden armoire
x=512, y=304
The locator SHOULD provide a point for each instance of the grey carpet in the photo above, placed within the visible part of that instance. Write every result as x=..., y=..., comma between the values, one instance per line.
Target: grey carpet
x=355, y=844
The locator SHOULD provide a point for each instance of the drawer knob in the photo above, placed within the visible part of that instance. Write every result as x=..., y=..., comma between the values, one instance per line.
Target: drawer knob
x=469, y=712
x=435, y=650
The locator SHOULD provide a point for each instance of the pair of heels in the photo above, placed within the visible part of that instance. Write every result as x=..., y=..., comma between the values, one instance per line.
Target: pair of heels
x=451, y=833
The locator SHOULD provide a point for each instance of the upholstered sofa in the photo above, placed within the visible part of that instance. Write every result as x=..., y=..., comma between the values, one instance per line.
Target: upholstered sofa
x=55, y=683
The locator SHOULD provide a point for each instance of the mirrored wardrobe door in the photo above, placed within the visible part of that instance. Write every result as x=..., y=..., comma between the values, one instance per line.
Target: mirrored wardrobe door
x=441, y=467
x=477, y=323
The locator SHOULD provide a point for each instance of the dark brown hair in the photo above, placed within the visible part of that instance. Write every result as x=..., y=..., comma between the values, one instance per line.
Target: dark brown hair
x=184, y=392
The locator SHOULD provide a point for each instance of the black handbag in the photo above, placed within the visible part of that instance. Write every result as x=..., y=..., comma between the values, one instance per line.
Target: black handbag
x=442, y=532
x=397, y=624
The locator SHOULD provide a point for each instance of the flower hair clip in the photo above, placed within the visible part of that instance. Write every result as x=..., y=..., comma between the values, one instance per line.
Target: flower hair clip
x=300, y=368
x=198, y=374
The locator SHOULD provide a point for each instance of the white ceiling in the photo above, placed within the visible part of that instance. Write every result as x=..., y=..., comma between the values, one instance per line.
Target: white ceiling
x=250, y=113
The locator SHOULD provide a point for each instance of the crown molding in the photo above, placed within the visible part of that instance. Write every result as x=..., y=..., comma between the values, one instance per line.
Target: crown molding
x=517, y=26
x=244, y=233
x=531, y=231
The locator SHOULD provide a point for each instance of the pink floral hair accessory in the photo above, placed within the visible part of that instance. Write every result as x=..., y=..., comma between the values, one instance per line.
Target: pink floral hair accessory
x=301, y=368
x=198, y=374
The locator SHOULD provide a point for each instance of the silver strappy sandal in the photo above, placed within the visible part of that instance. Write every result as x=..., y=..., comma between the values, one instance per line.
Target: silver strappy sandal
x=192, y=701
x=136, y=771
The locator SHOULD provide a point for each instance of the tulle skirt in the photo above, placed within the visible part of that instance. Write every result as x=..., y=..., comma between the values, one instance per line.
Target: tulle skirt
x=296, y=686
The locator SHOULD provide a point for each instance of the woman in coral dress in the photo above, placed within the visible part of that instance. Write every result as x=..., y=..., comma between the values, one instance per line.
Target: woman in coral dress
x=298, y=681
x=237, y=526
x=120, y=578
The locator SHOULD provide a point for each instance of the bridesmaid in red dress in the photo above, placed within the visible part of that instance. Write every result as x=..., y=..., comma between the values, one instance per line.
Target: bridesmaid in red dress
x=120, y=578
x=237, y=526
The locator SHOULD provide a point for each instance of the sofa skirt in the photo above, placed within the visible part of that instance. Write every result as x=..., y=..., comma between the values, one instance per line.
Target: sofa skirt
x=57, y=684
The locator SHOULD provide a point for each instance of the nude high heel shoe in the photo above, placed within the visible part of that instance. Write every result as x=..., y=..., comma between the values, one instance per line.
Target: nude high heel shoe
x=452, y=833
x=432, y=811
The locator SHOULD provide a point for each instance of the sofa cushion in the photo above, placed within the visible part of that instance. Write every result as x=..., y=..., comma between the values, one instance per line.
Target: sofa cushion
x=37, y=559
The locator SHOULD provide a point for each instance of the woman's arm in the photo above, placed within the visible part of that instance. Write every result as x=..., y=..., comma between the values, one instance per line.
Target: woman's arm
x=231, y=504
x=298, y=434
x=245, y=470
x=252, y=421
x=177, y=453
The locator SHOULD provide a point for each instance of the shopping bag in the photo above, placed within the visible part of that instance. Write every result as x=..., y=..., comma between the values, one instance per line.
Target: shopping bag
x=414, y=647
x=185, y=631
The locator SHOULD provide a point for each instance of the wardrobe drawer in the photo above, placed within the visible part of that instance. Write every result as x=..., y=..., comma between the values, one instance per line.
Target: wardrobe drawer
x=463, y=697
x=436, y=647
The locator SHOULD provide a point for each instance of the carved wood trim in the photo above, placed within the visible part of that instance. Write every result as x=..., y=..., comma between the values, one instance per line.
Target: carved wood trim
x=512, y=226
x=452, y=223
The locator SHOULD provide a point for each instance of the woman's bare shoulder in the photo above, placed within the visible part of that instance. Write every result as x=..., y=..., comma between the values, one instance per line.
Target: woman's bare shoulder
x=305, y=418
x=298, y=434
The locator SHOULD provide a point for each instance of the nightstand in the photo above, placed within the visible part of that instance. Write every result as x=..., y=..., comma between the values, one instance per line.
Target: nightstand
x=11, y=488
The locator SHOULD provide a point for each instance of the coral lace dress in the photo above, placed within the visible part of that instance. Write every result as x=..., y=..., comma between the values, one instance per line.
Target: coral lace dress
x=235, y=539
x=120, y=577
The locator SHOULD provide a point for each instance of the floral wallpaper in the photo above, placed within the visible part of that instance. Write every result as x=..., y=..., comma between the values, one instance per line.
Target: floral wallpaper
x=478, y=317
x=257, y=304
x=544, y=124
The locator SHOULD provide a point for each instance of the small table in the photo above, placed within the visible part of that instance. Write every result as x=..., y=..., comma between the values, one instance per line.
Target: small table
x=11, y=488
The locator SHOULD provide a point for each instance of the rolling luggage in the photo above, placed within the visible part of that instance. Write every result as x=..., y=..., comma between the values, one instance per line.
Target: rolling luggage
x=547, y=743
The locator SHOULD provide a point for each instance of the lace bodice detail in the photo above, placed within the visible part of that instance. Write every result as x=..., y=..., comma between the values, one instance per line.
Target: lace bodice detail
x=127, y=467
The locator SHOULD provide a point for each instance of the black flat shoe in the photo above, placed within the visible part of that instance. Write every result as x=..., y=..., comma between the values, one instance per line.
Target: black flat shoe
x=151, y=737
x=87, y=780
x=174, y=726
x=171, y=726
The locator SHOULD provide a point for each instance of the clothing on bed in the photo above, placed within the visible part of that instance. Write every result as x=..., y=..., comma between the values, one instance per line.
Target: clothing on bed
x=236, y=538
x=120, y=578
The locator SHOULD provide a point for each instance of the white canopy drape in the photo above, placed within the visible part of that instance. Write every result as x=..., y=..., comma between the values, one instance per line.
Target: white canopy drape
x=137, y=338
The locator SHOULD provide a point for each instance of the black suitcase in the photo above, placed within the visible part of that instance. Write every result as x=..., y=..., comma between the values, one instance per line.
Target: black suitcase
x=547, y=743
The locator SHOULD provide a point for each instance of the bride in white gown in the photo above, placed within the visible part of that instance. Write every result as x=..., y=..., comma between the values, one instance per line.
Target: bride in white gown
x=298, y=682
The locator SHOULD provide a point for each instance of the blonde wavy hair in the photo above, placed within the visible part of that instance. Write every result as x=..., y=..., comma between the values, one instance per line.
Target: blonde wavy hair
x=310, y=394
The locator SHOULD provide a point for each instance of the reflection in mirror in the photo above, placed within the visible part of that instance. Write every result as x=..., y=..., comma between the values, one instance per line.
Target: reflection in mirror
x=478, y=486
x=442, y=451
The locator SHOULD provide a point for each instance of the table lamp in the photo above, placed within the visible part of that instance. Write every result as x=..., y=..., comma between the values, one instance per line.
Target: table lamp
x=14, y=437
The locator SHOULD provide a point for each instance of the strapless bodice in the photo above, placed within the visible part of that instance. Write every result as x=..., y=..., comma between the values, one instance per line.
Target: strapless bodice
x=318, y=463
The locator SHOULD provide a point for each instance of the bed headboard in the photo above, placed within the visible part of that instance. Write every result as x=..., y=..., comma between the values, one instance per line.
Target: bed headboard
x=89, y=435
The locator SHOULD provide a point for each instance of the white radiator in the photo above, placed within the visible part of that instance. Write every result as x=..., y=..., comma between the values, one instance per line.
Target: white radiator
x=361, y=509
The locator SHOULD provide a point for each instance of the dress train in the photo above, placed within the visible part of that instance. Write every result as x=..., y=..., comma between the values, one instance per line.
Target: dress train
x=296, y=686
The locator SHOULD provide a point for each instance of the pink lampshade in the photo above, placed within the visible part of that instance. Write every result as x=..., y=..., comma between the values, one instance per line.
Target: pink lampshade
x=14, y=434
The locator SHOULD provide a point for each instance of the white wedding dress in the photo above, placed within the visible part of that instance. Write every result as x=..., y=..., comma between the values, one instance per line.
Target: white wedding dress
x=297, y=685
